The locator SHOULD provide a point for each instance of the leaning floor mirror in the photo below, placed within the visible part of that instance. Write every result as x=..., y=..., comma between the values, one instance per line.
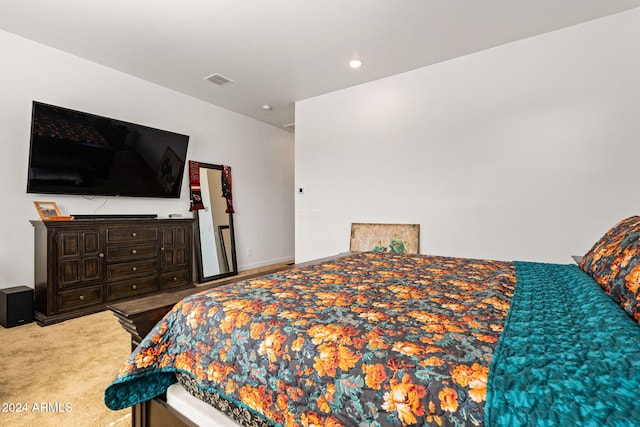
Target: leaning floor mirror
x=214, y=237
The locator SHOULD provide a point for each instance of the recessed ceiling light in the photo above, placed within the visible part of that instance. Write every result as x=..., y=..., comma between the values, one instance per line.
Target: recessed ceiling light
x=266, y=107
x=355, y=63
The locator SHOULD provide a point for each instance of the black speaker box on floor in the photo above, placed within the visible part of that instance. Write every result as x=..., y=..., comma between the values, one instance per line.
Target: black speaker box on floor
x=16, y=306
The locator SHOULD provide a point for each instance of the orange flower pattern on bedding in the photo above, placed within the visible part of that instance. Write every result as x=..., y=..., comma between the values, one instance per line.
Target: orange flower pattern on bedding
x=366, y=339
x=614, y=263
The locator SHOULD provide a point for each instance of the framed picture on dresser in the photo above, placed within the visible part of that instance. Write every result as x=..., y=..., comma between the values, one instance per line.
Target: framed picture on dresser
x=47, y=210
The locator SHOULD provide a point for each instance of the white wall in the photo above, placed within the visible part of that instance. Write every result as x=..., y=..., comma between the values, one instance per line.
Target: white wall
x=261, y=156
x=528, y=151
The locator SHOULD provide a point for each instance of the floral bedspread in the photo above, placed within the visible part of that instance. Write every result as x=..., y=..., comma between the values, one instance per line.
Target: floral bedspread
x=367, y=339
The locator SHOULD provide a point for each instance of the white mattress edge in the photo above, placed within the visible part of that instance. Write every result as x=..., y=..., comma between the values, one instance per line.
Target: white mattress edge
x=195, y=410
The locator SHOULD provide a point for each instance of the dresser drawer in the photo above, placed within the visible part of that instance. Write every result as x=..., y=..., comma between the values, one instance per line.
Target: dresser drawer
x=131, y=288
x=132, y=252
x=131, y=234
x=175, y=278
x=126, y=270
x=68, y=300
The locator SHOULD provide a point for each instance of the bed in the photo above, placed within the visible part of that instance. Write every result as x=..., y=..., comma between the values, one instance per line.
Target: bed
x=374, y=339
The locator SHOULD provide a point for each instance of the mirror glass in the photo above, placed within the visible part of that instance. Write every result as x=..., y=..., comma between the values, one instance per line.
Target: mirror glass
x=215, y=242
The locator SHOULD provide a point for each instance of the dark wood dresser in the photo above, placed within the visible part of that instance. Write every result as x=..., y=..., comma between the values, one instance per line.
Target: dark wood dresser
x=83, y=265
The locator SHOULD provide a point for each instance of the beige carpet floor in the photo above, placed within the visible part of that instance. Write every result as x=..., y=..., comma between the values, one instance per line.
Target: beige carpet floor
x=56, y=375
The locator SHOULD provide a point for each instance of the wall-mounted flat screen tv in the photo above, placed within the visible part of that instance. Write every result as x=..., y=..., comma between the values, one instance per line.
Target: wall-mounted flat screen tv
x=80, y=153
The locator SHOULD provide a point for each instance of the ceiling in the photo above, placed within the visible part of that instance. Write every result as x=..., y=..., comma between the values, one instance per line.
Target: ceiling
x=278, y=52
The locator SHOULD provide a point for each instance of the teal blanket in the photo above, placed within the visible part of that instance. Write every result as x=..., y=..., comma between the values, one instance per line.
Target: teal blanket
x=568, y=355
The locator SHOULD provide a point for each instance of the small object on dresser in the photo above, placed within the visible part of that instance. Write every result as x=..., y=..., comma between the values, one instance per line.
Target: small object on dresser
x=49, y=211
x=16, y=306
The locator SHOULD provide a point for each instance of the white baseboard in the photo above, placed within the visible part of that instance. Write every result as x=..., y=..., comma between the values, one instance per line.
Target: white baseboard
x=245, y=267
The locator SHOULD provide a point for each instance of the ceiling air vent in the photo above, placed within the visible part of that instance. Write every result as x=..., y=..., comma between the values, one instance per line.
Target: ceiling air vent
x=218, y=79
x=290, y=127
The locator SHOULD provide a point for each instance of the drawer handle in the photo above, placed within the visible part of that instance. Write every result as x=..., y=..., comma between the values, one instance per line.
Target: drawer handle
x=135, y=268
x=175, y=278
x=134, y=252
x=81, y=297
x=134, y=287
x=101, y=255
x=133, y=234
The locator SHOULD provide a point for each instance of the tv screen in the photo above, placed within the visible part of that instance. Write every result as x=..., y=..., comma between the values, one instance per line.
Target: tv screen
x=80, y=153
